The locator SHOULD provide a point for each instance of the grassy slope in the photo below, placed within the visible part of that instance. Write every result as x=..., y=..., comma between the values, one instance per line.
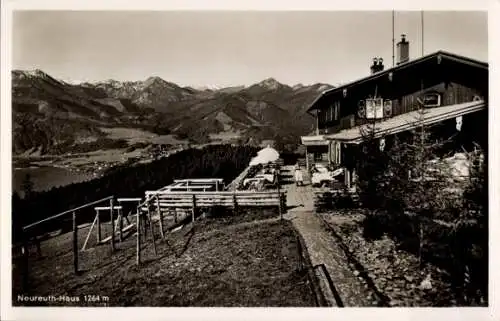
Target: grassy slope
x=217, y=265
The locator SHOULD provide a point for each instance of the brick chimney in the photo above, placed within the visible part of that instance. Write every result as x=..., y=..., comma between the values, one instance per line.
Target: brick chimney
x=403, y=50
x=377, y=66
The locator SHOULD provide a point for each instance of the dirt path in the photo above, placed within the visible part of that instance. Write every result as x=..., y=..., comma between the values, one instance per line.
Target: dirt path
x=322, y=247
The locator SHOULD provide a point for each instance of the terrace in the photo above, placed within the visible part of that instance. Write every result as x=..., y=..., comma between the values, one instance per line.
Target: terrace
x=195, y=233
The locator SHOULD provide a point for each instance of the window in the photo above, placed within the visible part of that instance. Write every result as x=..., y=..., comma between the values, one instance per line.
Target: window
x=334, y=111
x=318, y=156
x=322, y=116
x=431, y=100
x=329, y=114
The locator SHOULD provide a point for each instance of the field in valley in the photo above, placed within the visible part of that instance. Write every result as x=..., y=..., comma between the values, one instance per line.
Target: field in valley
x=58, y=170
x=134, y=135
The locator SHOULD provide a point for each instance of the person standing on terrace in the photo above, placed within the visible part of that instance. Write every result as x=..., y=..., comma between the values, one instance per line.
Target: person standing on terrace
x=299, y=178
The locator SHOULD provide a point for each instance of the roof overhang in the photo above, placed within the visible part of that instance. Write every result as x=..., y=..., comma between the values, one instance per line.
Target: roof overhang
x=428, y=58
x=408, y=121
x=318, y=140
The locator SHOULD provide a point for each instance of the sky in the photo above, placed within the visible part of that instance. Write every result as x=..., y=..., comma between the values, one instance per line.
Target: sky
x=221, y=48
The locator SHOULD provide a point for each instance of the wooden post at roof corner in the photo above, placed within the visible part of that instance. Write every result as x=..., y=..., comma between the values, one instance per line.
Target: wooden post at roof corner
x=307, y=160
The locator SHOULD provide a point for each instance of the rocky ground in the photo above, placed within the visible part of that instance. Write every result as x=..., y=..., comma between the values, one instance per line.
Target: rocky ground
x=395, y=273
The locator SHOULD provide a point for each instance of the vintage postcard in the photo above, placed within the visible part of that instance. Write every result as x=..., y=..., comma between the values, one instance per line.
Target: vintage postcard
x=182, y=157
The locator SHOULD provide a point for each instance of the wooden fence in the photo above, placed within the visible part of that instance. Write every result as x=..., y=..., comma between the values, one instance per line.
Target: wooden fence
x=194, y=194
x=30, y=234
x=196, y=184
x=169, y=199
x=325, y=198
x=164, y=201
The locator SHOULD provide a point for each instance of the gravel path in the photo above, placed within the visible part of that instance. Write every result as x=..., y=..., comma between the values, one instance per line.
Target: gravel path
x=322, y=247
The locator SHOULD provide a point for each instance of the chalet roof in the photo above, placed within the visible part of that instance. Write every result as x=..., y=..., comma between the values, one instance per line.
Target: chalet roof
x=443, y=54
x=408, y=121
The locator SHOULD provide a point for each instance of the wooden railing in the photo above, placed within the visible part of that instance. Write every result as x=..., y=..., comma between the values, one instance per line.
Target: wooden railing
x=28, y=228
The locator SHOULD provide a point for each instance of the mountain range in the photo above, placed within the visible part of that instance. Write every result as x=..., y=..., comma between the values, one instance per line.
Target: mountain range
x=48, y=112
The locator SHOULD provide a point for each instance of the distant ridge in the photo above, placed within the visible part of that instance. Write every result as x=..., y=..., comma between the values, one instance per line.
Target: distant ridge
x=264, y=110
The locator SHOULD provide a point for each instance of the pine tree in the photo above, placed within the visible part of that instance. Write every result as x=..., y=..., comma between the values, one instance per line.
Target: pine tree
x=426, y=191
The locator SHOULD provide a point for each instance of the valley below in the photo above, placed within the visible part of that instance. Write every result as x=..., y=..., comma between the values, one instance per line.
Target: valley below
x=48, y=171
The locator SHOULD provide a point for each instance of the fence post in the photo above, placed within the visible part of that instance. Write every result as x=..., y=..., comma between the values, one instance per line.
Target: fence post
x=151, y=228
x=75, y=244
x=160, y=214
x=38, y=247
x=145, y=219
x=194, y=209
x=25, y=254
x=279, y=199
x=112, y=241
x=235, y=204
x=300, y=262
x=98, y=226
x=138, y=240
x=120, y=223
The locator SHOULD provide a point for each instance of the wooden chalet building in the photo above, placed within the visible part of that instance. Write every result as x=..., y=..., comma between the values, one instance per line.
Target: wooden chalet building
x=452, y=88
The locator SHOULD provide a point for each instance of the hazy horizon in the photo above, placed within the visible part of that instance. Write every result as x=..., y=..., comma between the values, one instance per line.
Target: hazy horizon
x=224, y=48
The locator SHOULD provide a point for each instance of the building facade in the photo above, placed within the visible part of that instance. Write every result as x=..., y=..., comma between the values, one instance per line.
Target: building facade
x=452, y=90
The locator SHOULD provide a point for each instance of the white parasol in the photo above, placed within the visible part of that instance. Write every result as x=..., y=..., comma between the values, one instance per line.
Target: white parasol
x=265, y=156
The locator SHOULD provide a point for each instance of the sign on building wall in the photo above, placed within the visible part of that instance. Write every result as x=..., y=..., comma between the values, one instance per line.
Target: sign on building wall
x=374, y=108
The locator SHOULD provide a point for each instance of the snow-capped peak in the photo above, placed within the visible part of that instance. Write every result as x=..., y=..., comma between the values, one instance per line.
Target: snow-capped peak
x=210, y=87
x=154, y=80
x=270, y=83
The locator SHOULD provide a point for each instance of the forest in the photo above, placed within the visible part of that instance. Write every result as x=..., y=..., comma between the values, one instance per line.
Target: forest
x=221, y=161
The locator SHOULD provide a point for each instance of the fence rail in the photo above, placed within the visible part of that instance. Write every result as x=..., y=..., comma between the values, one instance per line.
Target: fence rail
x=168, y=199
x=66, y=212
x=30, y=236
